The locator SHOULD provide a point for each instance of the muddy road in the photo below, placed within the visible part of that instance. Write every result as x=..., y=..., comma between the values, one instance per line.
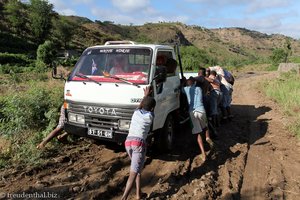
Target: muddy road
x=255, y=158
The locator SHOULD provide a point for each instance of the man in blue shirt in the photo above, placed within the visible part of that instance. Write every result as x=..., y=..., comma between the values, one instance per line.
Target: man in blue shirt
x=197, y=113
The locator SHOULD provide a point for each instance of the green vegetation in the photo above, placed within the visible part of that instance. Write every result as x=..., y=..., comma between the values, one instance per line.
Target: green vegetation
x=46, y=52
x=194, y=58
x=285, y=91
x=295, y=59
x=16, y=15
x=14, y=59
x=40, y=15
x=29, y=111
x=278, y=55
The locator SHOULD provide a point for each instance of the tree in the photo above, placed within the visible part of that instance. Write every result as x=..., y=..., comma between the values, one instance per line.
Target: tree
x=46, y=52
x=278, y=55
x=40, y=16
x=16, y=14
x=2, y=8
x=193, y=58
x=63, y=30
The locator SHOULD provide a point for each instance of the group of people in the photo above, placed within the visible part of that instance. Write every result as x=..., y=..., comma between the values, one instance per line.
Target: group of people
x=206, y=94
x=211, y=89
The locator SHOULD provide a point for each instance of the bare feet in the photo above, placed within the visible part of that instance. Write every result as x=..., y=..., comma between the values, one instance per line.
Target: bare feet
x=63, y=137
x=210, y=142
x=41, y=145
x=142, y=196
x=203, y=157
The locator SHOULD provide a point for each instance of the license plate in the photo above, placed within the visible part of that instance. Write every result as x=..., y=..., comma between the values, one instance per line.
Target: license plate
x=100, y=133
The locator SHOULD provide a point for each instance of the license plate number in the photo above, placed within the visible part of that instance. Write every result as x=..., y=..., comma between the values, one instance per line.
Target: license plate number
x=100, y=133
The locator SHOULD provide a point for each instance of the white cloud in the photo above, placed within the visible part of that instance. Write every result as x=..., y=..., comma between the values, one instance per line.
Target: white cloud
x=139, y=19
x=271, y=24
x=62, y=8
x=258, y=5
x=58, y=5
x=111, y=15
x=68, y=12
x=131, y=5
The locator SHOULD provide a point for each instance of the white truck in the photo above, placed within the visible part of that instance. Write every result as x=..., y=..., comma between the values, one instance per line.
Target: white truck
x=106, y=86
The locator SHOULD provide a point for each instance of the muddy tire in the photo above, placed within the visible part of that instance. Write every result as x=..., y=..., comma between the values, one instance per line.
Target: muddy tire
x=165, y=136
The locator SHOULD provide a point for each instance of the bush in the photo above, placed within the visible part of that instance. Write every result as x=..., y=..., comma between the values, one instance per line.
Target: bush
x=13, y=44
x=14, y=59
x=6, y=69
x=69, y=62
x=46, y=52
x=40, y=66
x=278, y=56
x=26, y=118
x=193, y=58
x=24, y=111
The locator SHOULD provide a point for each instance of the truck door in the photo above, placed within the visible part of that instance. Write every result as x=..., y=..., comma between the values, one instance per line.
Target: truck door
x=166, y=93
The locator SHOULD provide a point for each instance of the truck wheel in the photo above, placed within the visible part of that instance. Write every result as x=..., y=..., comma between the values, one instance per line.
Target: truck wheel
x=166, y=135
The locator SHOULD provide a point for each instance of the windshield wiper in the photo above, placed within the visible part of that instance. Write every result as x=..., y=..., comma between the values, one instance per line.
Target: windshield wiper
x=121, y=79
x=86, y=77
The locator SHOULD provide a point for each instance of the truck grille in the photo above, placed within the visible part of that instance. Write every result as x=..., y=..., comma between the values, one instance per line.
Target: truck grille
x=100, y=115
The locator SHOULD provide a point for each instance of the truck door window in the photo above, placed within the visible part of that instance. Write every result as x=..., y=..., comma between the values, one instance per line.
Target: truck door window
x=161, y=60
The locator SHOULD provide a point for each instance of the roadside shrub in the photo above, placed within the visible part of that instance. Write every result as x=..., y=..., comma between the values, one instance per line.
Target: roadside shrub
x=68, y=62
x=40, y=66
x=192, y=58
x=14, y=59
x=24, y=111
x=26, y=117
x=46, y=52
x=6, y=69
x=278, y=55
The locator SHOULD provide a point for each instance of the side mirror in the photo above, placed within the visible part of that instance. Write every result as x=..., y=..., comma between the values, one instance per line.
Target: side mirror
x=160, y=74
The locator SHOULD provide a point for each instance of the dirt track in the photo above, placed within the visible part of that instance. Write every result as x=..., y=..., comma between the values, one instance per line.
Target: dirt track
x=255, y=158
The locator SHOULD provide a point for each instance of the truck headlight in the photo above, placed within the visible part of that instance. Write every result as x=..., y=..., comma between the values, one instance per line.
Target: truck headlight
x=124, y=124
x=76, y=118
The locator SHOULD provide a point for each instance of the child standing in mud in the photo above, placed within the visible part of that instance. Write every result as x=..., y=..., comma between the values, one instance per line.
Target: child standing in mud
x=135, y=143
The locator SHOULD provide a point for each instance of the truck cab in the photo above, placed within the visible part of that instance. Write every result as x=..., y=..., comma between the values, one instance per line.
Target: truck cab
x=106, y=86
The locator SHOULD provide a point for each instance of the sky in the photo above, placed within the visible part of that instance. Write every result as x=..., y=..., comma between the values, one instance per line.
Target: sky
x=266, y=16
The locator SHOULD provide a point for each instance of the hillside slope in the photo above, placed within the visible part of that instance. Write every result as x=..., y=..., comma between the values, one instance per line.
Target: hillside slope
x=222, y=43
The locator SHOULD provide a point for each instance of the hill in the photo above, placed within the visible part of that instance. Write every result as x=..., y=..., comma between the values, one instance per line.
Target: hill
x=223, y=43
x=226, y=46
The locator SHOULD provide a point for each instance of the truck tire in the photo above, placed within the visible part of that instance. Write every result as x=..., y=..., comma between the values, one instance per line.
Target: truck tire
x=165, y=135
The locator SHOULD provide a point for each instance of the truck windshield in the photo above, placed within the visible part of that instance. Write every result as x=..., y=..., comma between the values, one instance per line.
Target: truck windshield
x=109, y=64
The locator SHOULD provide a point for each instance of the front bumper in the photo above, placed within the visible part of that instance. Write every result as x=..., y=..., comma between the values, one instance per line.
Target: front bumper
x=75, y=129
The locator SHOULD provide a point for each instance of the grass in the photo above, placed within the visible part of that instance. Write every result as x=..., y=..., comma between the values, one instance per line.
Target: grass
x=28, y=112
x=295, y=59
x=251, y=67
x=285, y=90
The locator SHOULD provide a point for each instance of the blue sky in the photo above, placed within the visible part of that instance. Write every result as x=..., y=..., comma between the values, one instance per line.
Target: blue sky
x=267, y=16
